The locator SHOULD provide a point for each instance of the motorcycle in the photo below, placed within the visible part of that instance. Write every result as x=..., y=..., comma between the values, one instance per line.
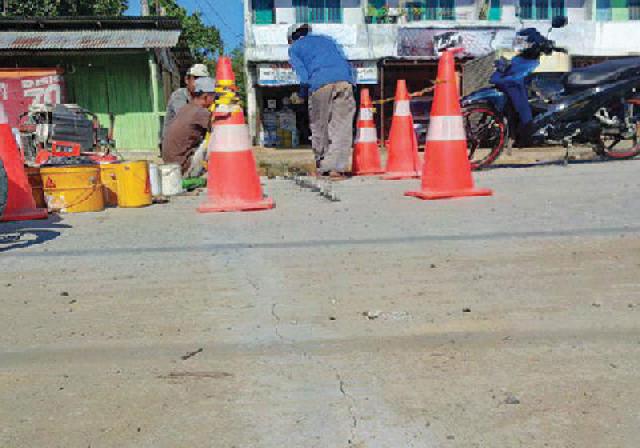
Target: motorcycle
x=596, y=105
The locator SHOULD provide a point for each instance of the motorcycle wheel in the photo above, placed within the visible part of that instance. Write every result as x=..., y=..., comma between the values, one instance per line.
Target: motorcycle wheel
x=617, y=148
x=4, y=187
x=621, y=149
x=486, y=131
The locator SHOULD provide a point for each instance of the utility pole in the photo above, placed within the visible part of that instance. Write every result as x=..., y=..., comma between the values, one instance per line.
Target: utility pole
x=144, y=8
x=5, y=9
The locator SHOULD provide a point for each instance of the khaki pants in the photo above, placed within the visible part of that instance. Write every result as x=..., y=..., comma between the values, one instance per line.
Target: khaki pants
x=331, y=111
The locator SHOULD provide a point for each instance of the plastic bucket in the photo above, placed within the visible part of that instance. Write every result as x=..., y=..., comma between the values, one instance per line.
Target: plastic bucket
x=109, y=179
x=73, y=189
x=134, y=188
x=171, y=175
x=154, y=180
x=36, y=186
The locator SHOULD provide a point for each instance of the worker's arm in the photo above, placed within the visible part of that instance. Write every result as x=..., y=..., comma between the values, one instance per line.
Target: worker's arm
x=301, y=71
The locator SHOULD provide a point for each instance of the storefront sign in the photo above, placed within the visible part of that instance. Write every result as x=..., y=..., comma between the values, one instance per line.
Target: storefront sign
x=21, y=88
x=420, y=42
x=281, y=74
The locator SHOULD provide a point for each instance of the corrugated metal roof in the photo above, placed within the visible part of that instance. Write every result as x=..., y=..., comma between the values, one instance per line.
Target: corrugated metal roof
x=88, y=39
x=87, y=23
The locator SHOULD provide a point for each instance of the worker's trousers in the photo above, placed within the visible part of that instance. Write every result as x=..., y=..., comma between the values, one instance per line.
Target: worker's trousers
x=331, y=111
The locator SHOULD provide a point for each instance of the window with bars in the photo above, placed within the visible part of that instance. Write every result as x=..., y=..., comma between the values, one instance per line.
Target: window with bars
x=263, y=12
x=431, y=10
x=603, y=10
x=542, y=9
x=318, y=11
x=495, y=10
x=634, y=9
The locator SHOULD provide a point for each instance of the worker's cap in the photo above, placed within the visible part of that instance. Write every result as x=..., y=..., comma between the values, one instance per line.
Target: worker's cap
x=296, y=31
x=205, y=84
x=198, y=71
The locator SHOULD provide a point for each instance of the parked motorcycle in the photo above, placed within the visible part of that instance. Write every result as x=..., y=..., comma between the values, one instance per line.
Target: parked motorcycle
x=597, y=105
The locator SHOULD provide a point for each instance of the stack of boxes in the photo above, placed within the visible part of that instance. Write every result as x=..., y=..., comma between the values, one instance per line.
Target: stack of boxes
x=279, y=127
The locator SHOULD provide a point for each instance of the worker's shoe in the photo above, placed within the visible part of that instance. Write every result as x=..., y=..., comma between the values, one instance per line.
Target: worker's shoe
x=337, y=176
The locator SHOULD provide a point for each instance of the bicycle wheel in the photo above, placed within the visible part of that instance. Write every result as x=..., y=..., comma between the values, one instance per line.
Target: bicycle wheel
x=486, y=132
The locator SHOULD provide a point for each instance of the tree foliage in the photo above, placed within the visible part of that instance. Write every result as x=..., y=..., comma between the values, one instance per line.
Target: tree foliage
x=204, y=41
x=237, y=63
x=48, y=8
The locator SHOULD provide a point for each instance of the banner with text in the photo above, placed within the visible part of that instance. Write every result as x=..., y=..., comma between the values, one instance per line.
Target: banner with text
x=281, y=74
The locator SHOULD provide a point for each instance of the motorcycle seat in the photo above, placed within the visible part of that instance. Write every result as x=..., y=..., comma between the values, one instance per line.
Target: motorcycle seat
x=605, y=71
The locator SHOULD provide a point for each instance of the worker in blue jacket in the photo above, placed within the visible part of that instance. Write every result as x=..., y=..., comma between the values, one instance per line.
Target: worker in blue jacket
x=326, y=74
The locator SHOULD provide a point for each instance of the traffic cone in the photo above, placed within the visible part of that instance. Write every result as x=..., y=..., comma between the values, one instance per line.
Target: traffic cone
x=366, y=157
x=403, y=161
x=446, y=172
x=224, y=72
x=233, y=182
x=20, y=203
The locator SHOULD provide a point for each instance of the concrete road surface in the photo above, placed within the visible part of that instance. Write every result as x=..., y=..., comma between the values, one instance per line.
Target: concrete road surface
x=378, y=321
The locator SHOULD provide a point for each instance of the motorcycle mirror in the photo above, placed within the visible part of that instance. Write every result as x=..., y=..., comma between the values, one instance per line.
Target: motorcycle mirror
x=559, y=22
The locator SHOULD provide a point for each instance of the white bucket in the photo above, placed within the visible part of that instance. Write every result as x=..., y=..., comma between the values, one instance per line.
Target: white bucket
x=154, y=180
x=171, y=175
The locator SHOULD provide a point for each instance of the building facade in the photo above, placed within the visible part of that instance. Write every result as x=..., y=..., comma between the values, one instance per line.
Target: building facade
x=398, y=35
x=120, y=68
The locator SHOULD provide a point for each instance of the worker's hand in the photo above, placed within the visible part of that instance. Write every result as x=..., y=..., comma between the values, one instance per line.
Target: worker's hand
x=295, y=98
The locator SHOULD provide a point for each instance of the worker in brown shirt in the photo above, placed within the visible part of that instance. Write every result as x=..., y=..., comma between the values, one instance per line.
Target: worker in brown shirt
x=183, y=142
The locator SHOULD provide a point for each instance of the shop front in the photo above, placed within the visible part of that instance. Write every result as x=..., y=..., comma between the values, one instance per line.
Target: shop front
x=282, y=120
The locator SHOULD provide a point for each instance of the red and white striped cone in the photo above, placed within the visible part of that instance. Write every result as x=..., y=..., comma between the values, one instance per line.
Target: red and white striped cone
x=366, y=157
x=447, y=172
x=233, y=181
x=20, y=203
x=403, y=161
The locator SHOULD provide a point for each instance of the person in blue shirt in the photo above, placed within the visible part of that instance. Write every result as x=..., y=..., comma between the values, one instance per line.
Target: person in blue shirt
x=325, y=74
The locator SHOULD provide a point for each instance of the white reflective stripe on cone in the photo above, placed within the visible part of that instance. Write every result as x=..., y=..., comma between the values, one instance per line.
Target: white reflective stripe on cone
x=230, y=138
x=443, y=128
x=402, y=109
x=367, y=135
x=366, y=114
x=227, y=108
x=3, y=115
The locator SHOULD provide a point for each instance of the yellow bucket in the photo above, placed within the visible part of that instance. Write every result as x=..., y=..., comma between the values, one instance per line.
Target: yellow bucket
x=134, y=187
x=73, y=189
x=109, y=180
x=35, y=181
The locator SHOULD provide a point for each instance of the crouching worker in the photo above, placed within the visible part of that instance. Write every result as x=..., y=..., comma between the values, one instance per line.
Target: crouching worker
x=184, y=140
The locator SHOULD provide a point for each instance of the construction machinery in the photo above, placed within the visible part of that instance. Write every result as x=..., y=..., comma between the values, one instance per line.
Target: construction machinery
x=63, y=130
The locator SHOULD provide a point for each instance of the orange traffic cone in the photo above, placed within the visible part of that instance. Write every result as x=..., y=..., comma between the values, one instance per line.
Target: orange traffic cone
x=366, y=158
x=233, y=182
x=224, y=72
x=403, y=161
x=20, y=203
x=447, y=172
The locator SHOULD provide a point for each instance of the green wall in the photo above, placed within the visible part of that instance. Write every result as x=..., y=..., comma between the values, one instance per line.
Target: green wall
x=118, y=84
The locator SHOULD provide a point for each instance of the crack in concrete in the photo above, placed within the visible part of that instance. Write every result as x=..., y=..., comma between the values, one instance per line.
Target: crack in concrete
x=277, y=319
x=350, y=407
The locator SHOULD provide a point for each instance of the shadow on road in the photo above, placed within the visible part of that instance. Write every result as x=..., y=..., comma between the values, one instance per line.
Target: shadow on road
x=23, y=234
